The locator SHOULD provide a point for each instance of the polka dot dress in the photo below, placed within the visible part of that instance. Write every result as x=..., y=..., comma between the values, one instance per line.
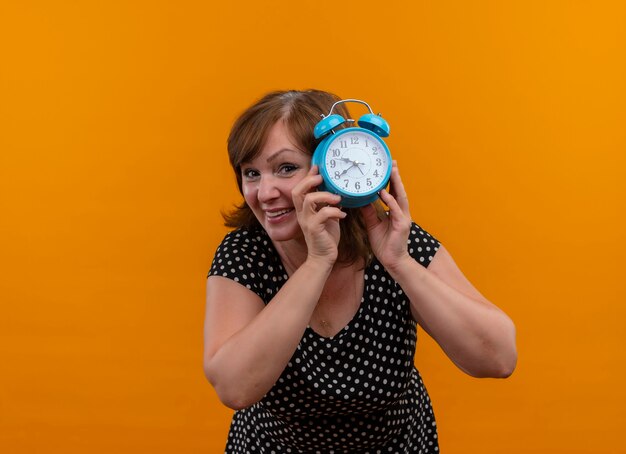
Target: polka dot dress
x=355, y=392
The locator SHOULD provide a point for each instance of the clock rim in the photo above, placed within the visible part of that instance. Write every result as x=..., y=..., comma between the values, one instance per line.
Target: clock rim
x=323, y=147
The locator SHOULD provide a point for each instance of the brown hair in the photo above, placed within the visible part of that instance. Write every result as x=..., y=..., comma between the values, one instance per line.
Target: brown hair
x=301, y=111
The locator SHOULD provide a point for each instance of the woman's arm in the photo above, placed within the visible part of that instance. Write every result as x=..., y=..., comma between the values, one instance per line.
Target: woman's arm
x=247, y=345
x=477, y=336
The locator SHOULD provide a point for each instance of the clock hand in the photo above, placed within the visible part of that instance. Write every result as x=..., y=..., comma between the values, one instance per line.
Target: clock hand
x=357, y=164
x=346, y=170
x=344, y=159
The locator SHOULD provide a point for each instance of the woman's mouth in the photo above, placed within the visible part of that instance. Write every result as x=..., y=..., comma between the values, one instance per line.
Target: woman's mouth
x=275, y=216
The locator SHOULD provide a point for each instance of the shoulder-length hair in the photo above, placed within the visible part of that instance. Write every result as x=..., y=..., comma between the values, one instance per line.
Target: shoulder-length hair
x=300, y=111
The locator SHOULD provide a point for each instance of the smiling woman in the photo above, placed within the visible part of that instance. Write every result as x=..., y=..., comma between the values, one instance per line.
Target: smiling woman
x=296, y=112
x=269, y=179
x=312, y=308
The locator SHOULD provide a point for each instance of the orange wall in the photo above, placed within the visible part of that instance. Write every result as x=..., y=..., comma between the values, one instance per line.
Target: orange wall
x=508, y=122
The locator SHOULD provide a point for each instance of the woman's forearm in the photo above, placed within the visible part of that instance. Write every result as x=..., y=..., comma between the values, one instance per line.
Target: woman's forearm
x=248, y=364
x=477, y=336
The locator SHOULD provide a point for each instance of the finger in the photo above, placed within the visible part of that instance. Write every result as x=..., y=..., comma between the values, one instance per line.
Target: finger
x=314, y=200
x=308, y=184
x=311, y=180
x=394, y=206
x=397, y=188
x=328, y=213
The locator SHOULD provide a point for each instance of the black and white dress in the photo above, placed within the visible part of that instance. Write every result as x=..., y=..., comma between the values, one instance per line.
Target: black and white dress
x=355, y=392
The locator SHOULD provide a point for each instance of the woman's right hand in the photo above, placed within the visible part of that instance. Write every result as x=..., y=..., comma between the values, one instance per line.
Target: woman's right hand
x=318, y=217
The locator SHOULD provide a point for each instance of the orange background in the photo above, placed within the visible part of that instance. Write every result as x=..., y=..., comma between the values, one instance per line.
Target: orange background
x=507, y=119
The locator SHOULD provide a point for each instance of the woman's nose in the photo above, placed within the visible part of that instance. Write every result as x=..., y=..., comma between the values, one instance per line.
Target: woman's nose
x=268, y=189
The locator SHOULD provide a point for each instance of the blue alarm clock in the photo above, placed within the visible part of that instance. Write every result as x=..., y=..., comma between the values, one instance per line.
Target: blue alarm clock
x=354, y=162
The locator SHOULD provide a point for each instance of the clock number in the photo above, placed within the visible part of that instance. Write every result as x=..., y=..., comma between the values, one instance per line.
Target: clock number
x=343, y=144
x=379, y=162
x=369, y=181
x=366, y=143
x=336, y=152
x=375, y=150
x=376, y=173
x=333, y=163
x=337, y=174
x=346, y=181
x=354, y=140
x=357, y=185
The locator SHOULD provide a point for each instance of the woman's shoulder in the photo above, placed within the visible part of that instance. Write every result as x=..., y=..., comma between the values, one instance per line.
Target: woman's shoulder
x=247, y=256
x=243, y=247
x=420, y=233
x=245, y=239
x=422, y=245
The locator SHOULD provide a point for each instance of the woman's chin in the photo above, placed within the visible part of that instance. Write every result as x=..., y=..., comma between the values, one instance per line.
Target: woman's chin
x=284, y=231
x=283, y=234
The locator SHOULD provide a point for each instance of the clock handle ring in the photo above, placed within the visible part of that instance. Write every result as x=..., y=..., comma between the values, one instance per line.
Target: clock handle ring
x=350, y=100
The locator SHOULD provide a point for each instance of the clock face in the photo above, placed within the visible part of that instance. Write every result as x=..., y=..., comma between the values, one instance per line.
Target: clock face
x=357, y=162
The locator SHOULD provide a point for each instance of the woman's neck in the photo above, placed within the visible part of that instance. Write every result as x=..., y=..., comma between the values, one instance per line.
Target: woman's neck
x=293, y=254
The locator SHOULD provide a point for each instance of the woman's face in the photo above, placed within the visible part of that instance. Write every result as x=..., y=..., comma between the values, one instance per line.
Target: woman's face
x=267, y=182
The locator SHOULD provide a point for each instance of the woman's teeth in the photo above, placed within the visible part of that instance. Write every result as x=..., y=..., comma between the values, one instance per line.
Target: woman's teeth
x=273, y=214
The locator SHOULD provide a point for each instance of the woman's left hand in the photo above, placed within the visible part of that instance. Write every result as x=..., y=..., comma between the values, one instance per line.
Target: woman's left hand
x=388, y=236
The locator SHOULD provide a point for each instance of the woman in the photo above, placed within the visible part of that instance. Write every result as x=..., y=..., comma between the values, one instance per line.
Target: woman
x=311, y=309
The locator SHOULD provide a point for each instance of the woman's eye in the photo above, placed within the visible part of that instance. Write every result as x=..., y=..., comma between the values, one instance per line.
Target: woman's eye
x=287, y=169
x=250, y=174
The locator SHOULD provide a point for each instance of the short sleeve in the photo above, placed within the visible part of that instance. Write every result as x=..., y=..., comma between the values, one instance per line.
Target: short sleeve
x=236, y=258
x=422, y=245
x=249, y=258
